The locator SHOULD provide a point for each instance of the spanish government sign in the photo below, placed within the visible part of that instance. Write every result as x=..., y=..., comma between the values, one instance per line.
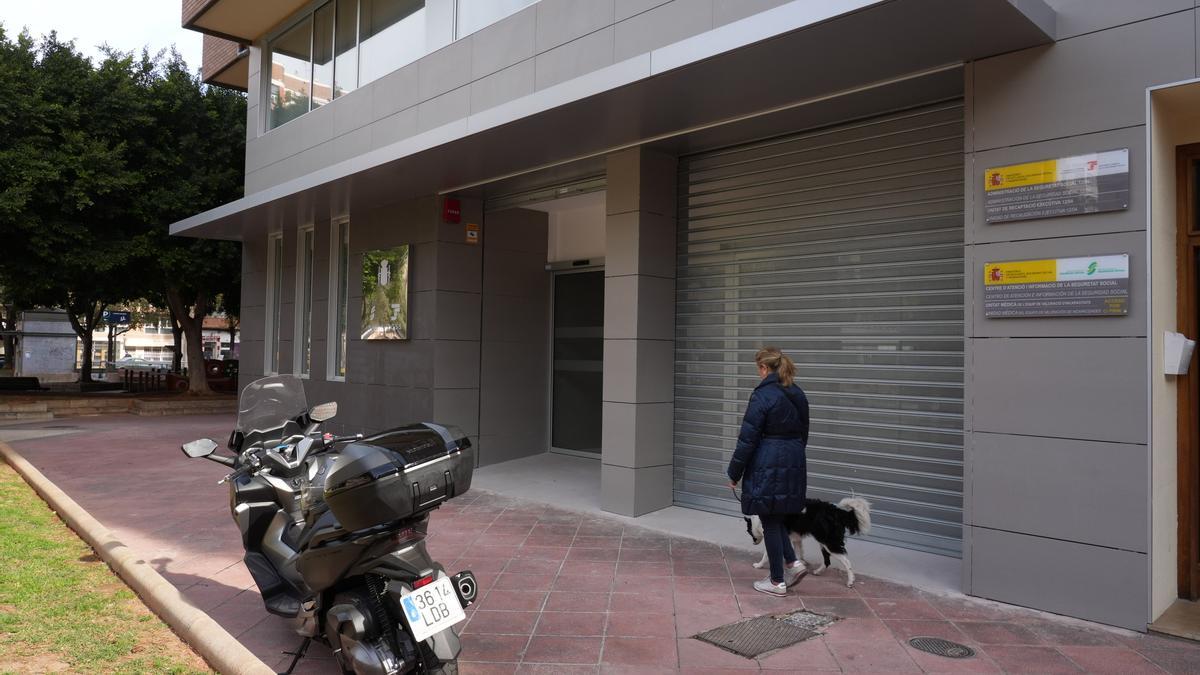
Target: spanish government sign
x=1050, y=188
x=1093, y=286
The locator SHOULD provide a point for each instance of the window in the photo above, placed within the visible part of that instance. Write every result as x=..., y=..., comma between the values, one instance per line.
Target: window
x=322, y=87
x=471, y=15
x=391, y=34
x=339, y=47
x=304, y=292
x=274, y=303
x=339, y=294
x=345, y=48
x=291, y=73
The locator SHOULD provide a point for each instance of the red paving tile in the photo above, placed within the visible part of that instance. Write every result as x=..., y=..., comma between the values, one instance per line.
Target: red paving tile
x=640, y=651
x=1114, y=660
x=557, y=649
x=565, y=592
x=1041, y=660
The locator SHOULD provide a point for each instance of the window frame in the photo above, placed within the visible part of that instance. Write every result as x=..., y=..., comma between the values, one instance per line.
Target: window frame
x=333, y=337
x=274, y=304
x=303, y=289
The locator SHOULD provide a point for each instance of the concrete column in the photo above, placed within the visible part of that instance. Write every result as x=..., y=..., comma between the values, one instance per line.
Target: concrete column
x=639, y=333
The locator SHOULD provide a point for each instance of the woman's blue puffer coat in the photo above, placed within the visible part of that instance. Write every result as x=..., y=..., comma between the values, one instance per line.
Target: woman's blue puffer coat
x=770, y=455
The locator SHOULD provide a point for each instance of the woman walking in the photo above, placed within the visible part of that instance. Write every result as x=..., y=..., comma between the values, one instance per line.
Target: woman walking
x=770, y=462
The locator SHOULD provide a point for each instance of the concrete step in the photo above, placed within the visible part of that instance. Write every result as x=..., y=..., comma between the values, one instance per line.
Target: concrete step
x=22, y=407
x=184, y=406
x=24, y=417
x=71, y=407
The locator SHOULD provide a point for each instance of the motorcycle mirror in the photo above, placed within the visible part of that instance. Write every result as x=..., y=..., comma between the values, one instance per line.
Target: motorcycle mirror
x=200, y=448
x=302, y=449
x=323, y=412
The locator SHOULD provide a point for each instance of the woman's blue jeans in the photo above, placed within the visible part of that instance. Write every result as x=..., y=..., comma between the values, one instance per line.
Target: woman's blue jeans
x=779, y=545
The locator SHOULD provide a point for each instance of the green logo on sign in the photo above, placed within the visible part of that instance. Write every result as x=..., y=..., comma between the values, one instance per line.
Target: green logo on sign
x=1092, y=268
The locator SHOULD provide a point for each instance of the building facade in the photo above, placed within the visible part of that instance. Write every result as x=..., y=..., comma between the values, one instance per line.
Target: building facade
x=578, y=219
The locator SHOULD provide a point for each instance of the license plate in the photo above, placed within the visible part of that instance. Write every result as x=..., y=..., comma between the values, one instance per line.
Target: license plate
x=432, y=608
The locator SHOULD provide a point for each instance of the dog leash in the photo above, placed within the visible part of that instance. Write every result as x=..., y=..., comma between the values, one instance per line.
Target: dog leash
x=735, y=494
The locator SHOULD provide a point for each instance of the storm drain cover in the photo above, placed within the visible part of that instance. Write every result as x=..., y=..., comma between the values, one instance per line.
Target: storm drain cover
x=756, y=636
x=807, y=620
x=942, y=647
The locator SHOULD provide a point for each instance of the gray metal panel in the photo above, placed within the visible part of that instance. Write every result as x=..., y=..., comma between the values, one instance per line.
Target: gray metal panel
x=1091, y=582
x=1094, y=82
x=1082, y=491
x=1061, y=387
x=1076, y=17
x=844, y=247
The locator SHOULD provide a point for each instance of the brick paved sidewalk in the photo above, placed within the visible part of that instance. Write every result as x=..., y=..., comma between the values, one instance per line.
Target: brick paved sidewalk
x=566, y=592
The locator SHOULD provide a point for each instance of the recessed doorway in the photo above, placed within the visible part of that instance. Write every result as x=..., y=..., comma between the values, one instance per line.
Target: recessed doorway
x=577, y=371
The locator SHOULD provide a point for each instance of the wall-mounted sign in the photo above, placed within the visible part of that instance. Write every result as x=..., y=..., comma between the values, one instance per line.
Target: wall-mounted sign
x=1050, y=188
x=472, y=233
x=451, y=210
x=385, y=294
x=1092, y=286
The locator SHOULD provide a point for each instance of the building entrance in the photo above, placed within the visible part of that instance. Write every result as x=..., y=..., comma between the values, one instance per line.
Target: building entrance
x=578, y=362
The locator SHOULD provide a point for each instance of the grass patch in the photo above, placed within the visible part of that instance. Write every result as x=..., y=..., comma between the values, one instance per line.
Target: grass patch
x=63, y=609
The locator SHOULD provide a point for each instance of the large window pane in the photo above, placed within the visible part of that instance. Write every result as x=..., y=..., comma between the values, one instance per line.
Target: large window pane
x=475, y=14
x=306, y=297
x=345, y=48
x=391, y=34
x=291, y=73
x=275, y=265
x=322, y=89
x=341, y=273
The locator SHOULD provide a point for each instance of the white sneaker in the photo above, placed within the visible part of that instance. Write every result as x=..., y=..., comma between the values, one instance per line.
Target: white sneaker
x=770, y=588
x=792, y=575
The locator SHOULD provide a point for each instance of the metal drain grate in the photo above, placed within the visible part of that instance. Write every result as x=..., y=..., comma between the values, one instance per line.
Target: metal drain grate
x=941, y=647
x=756, y=636
x=807, y=620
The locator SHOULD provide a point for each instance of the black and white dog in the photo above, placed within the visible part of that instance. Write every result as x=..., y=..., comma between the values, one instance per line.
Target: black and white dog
x=828, y=524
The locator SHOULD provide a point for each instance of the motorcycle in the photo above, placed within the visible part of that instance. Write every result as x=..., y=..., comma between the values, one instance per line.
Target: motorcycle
x=334, y=529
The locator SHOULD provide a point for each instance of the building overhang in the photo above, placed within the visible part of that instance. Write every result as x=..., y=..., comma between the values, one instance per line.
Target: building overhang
x=240, y=20
x=795, y=55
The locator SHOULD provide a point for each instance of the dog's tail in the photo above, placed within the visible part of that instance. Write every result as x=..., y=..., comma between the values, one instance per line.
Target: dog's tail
x=861, y=508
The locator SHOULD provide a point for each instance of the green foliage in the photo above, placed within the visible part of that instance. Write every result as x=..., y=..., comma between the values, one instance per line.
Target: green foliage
x=96, y=161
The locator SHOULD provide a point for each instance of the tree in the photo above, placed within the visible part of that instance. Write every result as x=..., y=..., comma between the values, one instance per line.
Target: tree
x=198, y=141
x=95, y=163
x=67, y=177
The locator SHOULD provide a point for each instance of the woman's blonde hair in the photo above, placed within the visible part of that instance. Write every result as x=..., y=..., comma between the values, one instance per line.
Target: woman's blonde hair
x=778, y=363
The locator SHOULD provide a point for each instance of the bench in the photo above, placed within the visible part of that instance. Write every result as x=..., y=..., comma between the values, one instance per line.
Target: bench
x=21, y=384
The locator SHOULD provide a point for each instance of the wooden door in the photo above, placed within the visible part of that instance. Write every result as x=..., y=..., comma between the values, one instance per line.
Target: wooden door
x=1188, y=213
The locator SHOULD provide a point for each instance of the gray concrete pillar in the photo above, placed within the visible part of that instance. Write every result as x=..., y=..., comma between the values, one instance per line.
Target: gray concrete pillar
x=639, y=333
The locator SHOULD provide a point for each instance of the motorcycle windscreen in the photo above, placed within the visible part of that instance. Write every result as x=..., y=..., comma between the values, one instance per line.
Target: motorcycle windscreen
x=268, y=407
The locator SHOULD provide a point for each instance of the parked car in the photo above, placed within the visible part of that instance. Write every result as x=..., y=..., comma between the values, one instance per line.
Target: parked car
x=134, y=363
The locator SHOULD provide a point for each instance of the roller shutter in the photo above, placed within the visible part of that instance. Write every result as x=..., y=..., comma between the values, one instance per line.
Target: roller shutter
x=844, y=247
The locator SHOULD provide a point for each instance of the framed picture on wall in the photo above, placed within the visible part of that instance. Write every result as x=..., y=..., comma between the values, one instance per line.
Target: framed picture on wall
x=385, y=294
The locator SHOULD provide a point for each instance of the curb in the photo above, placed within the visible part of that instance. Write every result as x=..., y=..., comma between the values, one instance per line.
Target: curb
x=214, y=644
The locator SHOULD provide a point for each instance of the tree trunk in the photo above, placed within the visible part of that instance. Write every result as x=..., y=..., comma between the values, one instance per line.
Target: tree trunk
x=233, y=328
x=91, y=312
x=192, y=323
x=177, y=336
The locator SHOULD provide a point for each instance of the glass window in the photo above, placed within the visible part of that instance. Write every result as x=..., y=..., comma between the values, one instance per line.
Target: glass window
x=475, y=14
x=345, y=48
x=341, y=294
x=322, y=88
x=274, y=302
x=304, y=316
x=291, y=73
x=391, y=33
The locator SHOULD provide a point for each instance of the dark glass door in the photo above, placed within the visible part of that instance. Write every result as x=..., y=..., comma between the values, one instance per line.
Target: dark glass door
x=578, y=349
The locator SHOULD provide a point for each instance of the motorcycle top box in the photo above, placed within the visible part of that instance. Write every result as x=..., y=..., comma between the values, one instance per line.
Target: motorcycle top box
x=398, y=474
